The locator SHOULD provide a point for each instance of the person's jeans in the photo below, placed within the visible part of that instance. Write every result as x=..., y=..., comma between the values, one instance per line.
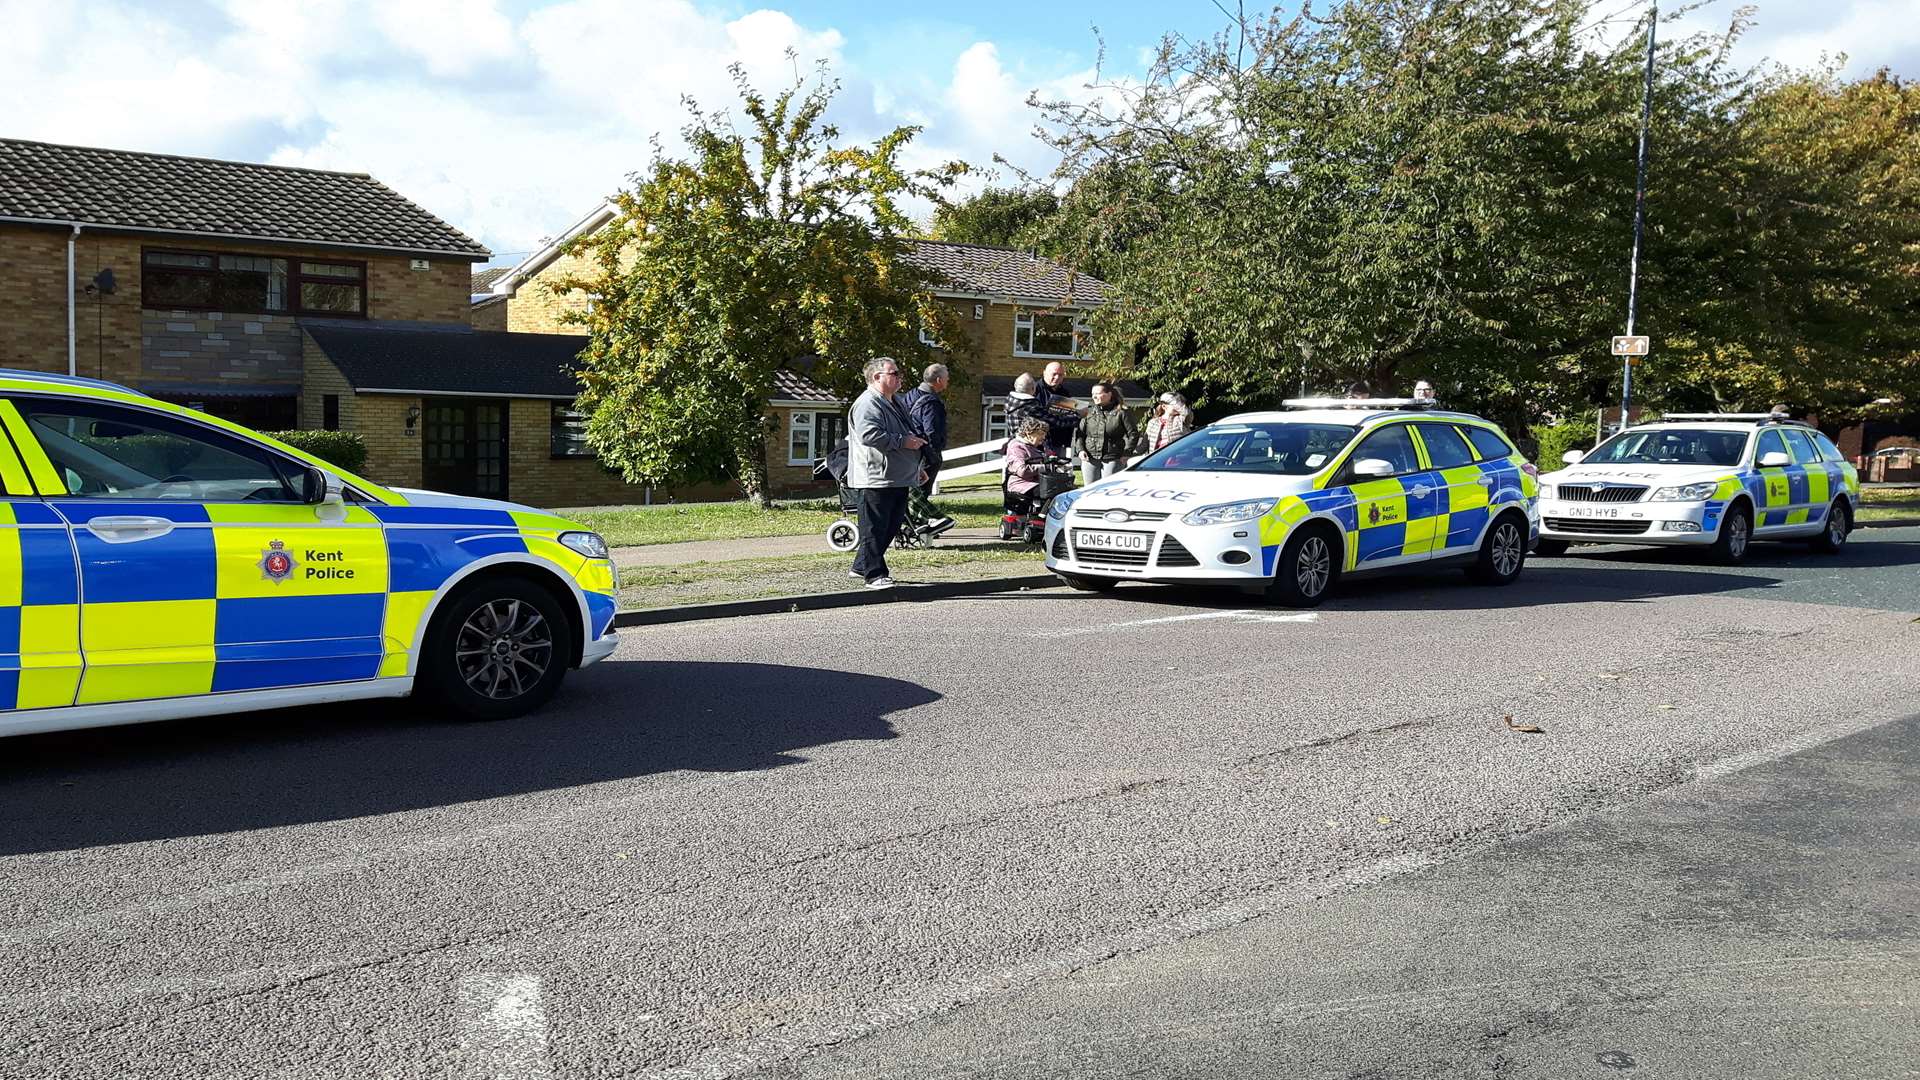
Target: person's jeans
x=881, y=511
x=1099, y=470
x=920, y=508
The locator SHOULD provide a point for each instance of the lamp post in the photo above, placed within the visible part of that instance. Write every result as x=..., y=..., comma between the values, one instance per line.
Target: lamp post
x=1639, y=217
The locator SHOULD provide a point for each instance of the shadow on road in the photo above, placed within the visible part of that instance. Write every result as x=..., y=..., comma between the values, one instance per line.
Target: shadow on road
x=265, y=769
x=1861, y=551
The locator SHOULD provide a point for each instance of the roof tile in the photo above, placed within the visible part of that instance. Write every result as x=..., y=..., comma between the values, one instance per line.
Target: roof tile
x=980, y=268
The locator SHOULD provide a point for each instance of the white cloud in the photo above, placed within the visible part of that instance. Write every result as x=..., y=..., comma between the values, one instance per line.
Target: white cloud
x=510, y=129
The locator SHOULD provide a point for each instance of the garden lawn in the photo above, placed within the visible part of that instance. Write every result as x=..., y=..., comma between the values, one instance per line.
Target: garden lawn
x=802, y=575
x=1889, y=504
x=673, y=523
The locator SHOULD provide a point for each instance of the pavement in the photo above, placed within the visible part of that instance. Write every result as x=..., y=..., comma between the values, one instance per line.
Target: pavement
x=867, y=839
x=765, y=547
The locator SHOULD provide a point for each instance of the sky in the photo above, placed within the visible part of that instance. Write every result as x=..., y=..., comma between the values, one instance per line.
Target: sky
x=511, y=119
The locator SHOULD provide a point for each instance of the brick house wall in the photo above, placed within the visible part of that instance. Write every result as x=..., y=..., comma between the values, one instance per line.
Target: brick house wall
x=117, y=339
x=536, y=308
x=491, y=315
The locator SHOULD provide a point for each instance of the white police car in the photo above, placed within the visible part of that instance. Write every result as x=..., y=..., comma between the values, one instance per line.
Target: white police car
x=1288, y=502
x=1713, y=480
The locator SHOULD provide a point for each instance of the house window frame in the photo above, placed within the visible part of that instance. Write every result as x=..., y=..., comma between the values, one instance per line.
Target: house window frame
x=993, y=421
x=566, y=448
x=811, y=428
x=290, y=298
x=1023, y=320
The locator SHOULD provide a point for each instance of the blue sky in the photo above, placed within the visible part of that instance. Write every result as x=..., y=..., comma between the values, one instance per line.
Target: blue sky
x=512, y=118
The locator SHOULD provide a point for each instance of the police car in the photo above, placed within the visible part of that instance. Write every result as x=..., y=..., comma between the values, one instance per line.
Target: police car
x=156, y=562
x=1712, y=480
x=1288, y=502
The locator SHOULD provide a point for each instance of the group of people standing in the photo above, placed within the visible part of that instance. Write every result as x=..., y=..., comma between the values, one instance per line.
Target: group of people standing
x=895, y=441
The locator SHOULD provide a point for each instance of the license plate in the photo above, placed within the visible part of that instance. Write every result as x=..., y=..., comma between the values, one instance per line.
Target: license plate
x=1111, y=541
x=1592, y=511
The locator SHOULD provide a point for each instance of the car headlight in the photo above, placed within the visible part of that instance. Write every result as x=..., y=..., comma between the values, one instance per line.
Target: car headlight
x=1686, y=492
x=1061, y=503
x=1227, y=513
x=586, y=543
x=1547, y=492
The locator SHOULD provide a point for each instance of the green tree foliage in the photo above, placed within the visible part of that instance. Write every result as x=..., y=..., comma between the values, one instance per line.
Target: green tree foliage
x=345, y=449
x=1005, y=217
x=760, y=247
x=1400, y=189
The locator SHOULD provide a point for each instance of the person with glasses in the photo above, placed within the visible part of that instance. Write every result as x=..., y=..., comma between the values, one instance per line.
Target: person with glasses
x=883, y=461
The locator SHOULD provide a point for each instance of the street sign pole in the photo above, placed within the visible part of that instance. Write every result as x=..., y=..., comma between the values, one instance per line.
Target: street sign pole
x=1639, y=219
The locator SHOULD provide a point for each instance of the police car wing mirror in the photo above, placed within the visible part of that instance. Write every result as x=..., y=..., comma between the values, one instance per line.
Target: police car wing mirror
x=317, y=488
x=1573, y=457
x=1774, y=459
x=1373, y=466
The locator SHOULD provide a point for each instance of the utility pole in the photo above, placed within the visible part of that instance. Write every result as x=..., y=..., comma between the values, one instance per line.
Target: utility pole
x=1639, y=219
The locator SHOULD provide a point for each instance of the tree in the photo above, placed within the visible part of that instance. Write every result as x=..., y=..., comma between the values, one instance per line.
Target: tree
x=1003, y=217
x=1397, y=189
x=759, y=248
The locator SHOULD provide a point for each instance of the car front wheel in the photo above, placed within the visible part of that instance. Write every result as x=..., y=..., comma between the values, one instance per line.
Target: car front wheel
x=1839, y=525
x=1503, y=553
x=1307, y=568
x=1735, y=536
x=498, y=649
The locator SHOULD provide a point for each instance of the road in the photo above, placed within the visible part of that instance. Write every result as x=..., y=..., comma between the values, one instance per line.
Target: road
x=869, y=841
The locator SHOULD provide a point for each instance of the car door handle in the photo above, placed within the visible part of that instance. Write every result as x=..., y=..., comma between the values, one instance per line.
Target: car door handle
x=1421, y=489
x=126, y=530
x=1483, y=480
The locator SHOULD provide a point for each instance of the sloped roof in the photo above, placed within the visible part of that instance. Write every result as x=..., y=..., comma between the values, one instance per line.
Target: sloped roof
x=483, y=279
x=985, y=269
x=449, y=358
x=124, y=189
x=789, y=385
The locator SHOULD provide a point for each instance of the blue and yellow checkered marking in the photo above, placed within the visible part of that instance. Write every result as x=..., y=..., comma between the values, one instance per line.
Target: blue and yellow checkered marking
x=39, y=609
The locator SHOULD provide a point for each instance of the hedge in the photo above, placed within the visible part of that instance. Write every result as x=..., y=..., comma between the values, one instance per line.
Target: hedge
x=345, y=449
x=1554, y=440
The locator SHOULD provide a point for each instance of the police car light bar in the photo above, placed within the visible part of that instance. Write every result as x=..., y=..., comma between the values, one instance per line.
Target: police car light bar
x=1729, y=417
x=1358, y=403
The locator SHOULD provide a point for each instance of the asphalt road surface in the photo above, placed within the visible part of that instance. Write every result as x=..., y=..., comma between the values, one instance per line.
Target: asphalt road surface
x=1153, y=834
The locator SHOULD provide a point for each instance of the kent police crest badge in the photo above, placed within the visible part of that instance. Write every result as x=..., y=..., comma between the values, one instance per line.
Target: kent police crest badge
x=276, y=563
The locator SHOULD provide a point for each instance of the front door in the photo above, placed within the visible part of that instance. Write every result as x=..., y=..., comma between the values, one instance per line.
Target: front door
x=463, y=446
x=201, y=570
x=1392, y=512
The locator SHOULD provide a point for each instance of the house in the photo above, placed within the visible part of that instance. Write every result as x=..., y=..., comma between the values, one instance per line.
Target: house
x=286, y=297
x=1020, y=312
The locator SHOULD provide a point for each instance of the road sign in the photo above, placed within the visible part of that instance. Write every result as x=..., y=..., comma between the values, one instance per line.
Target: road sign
x=1636, y=345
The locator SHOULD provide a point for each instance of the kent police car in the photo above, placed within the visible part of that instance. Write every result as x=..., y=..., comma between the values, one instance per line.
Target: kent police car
x=1288, y=502
x=1714, y=480
x=156, y=562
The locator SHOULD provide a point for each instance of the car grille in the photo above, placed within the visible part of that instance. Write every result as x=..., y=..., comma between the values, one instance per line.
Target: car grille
x=1597, y=527
x=1132, y=515
x=1583, y=493
x=1175, y=553
x=1060, y=545
x=1110, y=558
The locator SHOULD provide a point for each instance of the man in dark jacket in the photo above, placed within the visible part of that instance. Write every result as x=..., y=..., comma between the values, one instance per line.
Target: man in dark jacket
x=1057, y=408
x=927, y=416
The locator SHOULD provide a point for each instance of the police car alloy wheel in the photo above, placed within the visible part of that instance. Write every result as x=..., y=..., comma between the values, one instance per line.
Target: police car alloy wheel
x=1736, y=535
x=1306, y=569
x=1503, y=554
x=499, y=650
x=1839, y=525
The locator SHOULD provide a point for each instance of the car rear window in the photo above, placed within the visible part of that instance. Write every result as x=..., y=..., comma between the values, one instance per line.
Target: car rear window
x=1445, y=445
x=1488, y=443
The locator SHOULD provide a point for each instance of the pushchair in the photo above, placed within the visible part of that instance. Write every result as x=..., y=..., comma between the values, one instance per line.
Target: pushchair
x=1025, y=515
x=844, y=534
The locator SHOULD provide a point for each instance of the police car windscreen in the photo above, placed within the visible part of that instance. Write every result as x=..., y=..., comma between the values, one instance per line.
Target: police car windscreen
x=1670, y=446
x=1272, y=449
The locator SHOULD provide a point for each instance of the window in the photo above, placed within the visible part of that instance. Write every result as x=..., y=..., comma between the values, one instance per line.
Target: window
x=1489, y=444
x=1275, y=449
x=569, y=431
x=927, y=339
x=1802, y=447
x=330, y=412
x=1392, y=444
x=1063, y=333
x=105, y=452
x=1828, y=451
x=1445, y=446
x=211, y=281
x=1770, y=443
x=1671, y=446
x=811, y=435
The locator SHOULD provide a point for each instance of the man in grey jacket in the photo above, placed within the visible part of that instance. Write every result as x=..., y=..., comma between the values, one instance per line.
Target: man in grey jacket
x=883, y=461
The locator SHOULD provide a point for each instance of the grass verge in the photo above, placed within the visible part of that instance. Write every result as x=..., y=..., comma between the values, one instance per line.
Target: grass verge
x=1886, y=504
x=801, y=575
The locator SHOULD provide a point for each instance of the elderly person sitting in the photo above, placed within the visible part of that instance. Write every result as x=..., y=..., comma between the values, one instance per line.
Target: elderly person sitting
x=1026, y=457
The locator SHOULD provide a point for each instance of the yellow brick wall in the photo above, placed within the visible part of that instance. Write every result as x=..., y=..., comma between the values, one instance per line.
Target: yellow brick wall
x=490, y=316
x=537, y=309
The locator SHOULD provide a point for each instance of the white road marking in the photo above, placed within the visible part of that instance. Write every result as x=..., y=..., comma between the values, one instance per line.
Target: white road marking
x=1239, y=615
x=503, y=1029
